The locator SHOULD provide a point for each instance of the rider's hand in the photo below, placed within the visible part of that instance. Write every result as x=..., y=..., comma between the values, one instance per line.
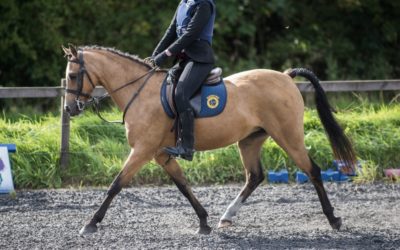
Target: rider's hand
x=150, y=60
x=160, y=58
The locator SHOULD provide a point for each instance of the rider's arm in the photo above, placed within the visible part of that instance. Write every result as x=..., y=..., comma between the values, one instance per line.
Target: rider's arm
x=168, y=38
x=202, y=14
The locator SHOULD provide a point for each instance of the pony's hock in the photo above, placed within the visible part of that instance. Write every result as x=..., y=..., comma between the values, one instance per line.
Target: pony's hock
x=260, y=104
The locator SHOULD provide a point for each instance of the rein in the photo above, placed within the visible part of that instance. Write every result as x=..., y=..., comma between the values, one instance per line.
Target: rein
x=95, y=101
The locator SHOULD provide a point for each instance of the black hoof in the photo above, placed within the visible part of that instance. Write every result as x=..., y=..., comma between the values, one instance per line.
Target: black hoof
x=204, y=230
x=336, y=224
x=88, y=229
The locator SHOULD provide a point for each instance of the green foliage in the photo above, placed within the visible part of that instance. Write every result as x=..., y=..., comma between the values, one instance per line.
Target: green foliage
x=342, y=39
x=369, y=172
x=98, y=150
x=37, y=141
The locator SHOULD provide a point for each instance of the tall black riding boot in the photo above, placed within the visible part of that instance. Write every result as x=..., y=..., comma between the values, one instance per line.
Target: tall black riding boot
x=184, y=146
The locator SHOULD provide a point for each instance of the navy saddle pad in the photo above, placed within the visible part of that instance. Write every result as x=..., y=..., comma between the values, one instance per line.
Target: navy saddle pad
x=209, y=101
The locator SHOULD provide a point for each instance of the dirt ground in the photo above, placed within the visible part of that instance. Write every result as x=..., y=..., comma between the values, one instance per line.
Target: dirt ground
x=274, y=217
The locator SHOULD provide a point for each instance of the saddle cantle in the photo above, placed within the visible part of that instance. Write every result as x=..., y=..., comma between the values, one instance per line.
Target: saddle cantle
x=209, y=100
x=214, y=77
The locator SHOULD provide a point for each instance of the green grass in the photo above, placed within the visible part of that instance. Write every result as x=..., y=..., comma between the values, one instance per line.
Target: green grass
x=98, y=150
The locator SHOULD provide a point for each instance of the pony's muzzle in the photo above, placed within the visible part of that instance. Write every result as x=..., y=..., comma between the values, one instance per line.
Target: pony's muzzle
x=74, y=108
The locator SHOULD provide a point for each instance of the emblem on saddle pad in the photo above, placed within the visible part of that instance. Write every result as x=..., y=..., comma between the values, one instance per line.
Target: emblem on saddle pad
x=209, y=101
x=212, y=101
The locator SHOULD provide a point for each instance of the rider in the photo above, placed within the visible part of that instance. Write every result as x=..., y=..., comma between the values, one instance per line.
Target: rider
x=189, y=39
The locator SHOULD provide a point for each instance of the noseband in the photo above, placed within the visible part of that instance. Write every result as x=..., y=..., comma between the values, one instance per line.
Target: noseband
x=95, y=101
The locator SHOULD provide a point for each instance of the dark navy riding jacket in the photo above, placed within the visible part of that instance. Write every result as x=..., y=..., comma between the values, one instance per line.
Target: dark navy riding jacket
x=191, y=31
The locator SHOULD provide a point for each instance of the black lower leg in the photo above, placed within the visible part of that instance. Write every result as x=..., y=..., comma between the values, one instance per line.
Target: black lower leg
x=114, y=189
x=199, y=209
x=327, y=208
x=254, y=179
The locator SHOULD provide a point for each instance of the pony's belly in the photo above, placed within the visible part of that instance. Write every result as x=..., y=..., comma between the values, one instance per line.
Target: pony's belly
x=210, y=136
x=210, y=143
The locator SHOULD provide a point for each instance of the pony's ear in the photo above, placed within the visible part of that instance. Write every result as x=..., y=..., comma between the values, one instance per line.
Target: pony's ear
x=73, y=50
x=67, y=52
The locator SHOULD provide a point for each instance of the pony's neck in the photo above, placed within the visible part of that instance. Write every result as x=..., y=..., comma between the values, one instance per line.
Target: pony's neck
x=113, y=71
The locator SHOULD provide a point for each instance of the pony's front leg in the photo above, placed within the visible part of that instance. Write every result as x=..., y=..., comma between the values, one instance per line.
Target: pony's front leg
x=132, y=165
x=175, y=172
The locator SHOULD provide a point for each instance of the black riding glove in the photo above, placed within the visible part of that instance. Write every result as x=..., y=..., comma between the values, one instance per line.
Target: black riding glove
x=160, y=59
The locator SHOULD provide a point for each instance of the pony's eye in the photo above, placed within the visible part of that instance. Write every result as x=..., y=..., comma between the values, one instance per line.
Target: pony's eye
x=72, y=76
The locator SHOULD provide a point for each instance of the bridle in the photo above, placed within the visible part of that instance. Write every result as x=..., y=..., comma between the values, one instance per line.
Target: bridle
x=95, y=101
x=81, y=74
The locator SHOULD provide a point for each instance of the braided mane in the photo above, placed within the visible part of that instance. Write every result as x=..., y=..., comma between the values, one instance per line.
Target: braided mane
x=133, y=58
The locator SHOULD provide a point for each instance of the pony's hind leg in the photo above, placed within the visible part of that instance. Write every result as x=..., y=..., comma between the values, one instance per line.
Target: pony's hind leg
x=250, y=149
x=292, y=141
x=173, y=169
x=315, y=176
x=132, y=165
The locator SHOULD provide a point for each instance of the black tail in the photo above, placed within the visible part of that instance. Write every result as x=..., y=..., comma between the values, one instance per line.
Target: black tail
x=341, y=145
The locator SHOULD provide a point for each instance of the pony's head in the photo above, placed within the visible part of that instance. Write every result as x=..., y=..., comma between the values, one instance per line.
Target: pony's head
x=79, y=83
